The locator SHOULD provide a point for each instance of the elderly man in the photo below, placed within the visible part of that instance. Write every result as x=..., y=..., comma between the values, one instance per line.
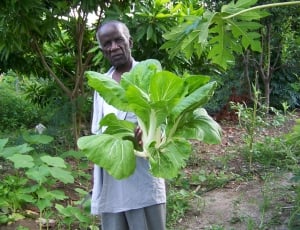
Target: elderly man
x=139, y=201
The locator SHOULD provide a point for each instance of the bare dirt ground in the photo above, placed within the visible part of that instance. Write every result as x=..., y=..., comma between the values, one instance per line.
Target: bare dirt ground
x=263, y=201
x=239, y=206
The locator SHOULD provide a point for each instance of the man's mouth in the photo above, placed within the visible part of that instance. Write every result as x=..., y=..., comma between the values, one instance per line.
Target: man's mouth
x=116, y=56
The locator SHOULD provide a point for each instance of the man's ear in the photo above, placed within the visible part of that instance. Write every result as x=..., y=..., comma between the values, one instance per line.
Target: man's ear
x=130, y=42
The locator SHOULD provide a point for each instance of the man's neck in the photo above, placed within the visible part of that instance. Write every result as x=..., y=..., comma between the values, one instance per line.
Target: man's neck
x=124, y=68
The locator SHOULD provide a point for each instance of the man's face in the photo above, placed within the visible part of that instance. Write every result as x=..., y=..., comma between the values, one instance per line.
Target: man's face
x=115, y=45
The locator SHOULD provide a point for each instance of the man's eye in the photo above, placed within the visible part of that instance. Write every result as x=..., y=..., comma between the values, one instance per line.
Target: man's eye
x=106, y=45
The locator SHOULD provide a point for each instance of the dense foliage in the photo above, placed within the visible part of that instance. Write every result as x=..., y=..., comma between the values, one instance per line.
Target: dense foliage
x=15, y=111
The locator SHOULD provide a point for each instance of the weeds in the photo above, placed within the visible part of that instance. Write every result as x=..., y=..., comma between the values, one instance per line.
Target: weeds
x=32, y=179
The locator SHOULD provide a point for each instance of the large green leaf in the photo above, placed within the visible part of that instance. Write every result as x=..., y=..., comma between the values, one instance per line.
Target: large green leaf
x=141, y=74
x=10, y=151
x=165, y=86
x=112, y=153
x=54, y=161
x=234, y=7
x=39, y=174
x=221, y=48
x=37, y=139
x=64, y=176
x=166, y=90
x=139, y=101
x=22, y=160
x=108, y=88
x=3, y=142
x=194, y=100
x=193, y=82
x=113, y=125
x=167, y=161
x=248, y=38
x=200, y=126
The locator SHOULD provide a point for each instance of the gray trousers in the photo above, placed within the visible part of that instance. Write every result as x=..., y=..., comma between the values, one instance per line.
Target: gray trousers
x=148, y=218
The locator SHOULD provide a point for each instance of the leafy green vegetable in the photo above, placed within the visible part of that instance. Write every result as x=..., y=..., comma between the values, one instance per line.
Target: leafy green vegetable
x=169, y=112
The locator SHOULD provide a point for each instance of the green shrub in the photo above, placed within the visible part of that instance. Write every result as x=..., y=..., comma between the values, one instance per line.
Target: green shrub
x=15, y=111
x=293, y=138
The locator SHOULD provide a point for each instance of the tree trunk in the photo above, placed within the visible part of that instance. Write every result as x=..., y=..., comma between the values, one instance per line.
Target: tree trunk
x=246, y=72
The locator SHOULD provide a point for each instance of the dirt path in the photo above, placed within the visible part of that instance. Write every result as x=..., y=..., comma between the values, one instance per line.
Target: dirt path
x=241, y=206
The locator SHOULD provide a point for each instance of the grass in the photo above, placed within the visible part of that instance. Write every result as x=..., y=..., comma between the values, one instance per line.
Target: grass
x=210, y=168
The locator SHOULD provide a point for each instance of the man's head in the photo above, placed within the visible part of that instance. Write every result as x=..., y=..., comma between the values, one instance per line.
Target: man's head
x=115, y=42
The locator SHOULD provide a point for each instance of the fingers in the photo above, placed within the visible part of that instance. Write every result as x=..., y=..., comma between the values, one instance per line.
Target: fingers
x=138, y=135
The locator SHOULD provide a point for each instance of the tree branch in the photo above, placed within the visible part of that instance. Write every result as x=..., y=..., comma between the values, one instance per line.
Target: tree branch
x=262, y=7
x=48, y=68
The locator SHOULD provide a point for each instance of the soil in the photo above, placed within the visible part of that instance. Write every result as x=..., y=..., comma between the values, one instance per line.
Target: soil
x=259, y=202
x=245, y=203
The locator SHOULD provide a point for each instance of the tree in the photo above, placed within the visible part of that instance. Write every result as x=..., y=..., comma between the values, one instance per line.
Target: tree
x=224, y=35
x=279, y=47
x=51, y=38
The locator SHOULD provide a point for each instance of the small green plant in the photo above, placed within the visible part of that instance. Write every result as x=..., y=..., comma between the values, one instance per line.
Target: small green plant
x=178, y=203
x=215, y=227
x=294, y=220
x=250, y=120
x=77, y=214
x=275, y=152
x=71, y=215
x=293, y=138
x=285, y=107
x=35, y=175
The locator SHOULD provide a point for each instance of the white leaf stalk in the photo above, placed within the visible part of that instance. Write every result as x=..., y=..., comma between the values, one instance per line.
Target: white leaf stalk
x=149, y=136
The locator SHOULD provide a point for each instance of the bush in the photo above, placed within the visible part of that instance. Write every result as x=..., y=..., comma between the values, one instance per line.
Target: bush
x=15, y=111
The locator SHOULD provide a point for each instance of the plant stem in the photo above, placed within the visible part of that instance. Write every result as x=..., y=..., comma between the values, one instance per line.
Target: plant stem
x=263, y=7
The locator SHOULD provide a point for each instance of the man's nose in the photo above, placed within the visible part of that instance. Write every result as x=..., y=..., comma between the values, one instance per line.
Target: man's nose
x=114, y=45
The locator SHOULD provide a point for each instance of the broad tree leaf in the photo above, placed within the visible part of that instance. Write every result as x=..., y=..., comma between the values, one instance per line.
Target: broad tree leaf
x=221, y=49
x=248, y=38
x=221, y=34
x=234, y=7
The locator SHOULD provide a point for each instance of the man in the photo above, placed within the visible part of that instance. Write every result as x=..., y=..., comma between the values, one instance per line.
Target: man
x=139, y=201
